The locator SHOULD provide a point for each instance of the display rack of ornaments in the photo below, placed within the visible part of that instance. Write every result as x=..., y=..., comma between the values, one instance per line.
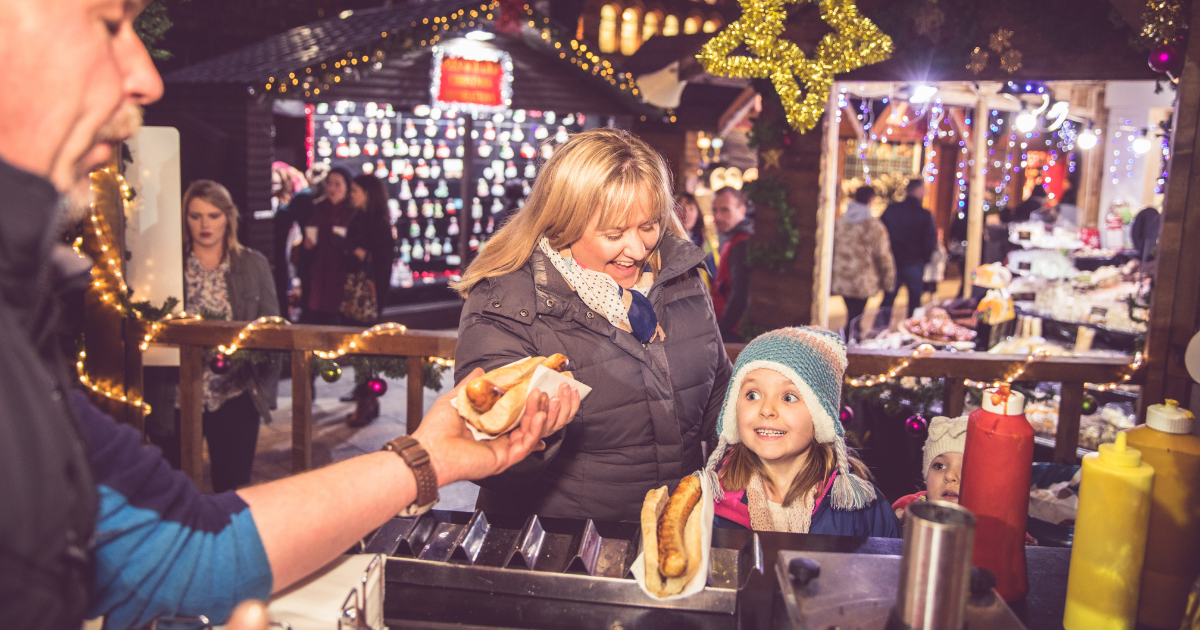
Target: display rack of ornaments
x=421, y=155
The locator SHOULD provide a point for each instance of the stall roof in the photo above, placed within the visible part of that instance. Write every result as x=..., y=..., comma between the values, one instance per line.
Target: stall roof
x=544, y=77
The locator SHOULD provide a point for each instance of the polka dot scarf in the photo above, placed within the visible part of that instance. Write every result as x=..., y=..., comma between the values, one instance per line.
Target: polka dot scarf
x=630, y=311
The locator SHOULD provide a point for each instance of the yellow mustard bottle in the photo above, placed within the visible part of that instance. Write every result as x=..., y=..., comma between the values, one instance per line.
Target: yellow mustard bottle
x=1110, y=539
x=1173, y=549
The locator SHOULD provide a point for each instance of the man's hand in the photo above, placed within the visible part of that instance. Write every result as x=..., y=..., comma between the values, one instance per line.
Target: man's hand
x=457, y=456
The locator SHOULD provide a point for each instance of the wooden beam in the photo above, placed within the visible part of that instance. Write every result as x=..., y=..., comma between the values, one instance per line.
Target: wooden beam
x=302, y=420
x=979, y=124
x=310, y=338
x=827, y=208
x=416, y=394
x=1173, y=310
x=954, y=397
x=191, y=412
x=1070, y=408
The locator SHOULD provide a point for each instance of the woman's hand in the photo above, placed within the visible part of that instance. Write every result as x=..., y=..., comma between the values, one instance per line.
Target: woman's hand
x=457, y=456
x=360, y=253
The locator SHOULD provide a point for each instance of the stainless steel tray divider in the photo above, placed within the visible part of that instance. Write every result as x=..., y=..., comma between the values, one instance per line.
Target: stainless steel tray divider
x=529, y=545
x=402, y=536
x=442, y=543
x=470, y=539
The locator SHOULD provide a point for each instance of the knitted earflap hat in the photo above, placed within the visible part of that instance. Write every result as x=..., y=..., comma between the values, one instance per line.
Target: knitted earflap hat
x=946, y=435
x=815, y=361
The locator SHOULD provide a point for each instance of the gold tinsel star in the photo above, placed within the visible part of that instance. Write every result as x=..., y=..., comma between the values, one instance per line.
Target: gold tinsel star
x=1000, y=40
x=855, y=42
x=979, y=59
x=771, y=157
x=1011, y=61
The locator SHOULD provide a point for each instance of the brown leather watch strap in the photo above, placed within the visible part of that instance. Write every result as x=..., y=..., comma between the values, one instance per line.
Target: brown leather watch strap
x=417, y=459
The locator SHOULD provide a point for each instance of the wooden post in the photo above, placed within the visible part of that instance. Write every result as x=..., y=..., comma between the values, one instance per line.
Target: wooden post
x=191, y=412
x=827, y=209
x=302, y=419
x=978, y=161
x=1070, y=408
x=134, y=383
x=954, y=397
x=416, y=393
x=1176, y=301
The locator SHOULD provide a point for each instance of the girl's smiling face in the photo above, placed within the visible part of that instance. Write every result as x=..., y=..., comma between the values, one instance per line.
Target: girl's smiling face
x=773, y=420
x=943, y=477
x=618, y=251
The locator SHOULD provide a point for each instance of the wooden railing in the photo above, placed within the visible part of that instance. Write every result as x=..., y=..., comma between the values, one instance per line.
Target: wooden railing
x=301, y=341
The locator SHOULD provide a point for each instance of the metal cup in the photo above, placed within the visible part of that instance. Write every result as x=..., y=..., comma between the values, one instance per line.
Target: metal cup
x=935, y=570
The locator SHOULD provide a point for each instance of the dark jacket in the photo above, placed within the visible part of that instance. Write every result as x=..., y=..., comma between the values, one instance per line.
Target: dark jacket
x=733, y=279
x=48, y=502
x=373, y=234
x=911, y=231
x=650, y=406
x=876, y=520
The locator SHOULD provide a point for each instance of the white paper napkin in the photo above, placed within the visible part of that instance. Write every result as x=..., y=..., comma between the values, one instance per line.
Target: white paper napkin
x=544, y=380
x=700, y=580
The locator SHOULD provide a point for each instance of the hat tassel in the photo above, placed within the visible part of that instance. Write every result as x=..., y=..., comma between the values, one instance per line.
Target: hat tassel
x=850, y=492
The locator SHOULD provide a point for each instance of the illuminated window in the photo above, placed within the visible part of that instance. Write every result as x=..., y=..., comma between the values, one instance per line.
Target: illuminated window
x=608, y=28
x=629, y=32
x=691, y=26
x=650, y=26
x=671, y=26
x=712, y=26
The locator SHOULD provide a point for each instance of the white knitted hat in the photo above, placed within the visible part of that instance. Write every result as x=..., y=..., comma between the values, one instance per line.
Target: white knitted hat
x=945, y=436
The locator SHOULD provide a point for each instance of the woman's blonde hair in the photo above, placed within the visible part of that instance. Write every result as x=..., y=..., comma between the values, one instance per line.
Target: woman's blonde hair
x=742, y=464
x=218, y=196
x=605, y=171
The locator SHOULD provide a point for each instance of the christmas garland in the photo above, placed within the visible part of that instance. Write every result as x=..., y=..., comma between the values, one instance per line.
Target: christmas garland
x=768, y=191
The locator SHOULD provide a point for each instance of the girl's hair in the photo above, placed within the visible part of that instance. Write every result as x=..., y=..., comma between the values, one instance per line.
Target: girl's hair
x=742, y=464
x=688, y=198
x=605, y=171
x=377, y=197
x=218, y=196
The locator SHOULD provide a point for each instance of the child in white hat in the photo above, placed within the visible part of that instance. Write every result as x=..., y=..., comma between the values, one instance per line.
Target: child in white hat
x=942, y=463
x=781, y=463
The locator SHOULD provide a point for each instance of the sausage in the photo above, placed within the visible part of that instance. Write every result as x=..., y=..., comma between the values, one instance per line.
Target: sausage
x=672, y=557
x=483, y=394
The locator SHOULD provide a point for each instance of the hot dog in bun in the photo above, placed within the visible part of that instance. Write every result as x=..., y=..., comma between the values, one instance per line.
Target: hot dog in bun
x=492, y=403
x=672, y=537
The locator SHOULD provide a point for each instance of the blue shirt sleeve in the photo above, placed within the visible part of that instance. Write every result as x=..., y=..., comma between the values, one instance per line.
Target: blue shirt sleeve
x=162, y=548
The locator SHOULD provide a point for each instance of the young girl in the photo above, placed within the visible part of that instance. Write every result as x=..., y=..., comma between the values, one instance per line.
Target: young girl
x=942, y=463
x=781, y=462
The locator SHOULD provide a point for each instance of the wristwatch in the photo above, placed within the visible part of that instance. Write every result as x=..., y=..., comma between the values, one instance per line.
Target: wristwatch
x=418, y=462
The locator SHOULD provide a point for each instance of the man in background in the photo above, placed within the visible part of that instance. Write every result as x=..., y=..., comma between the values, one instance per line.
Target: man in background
x=731, y=287
x=913, y=237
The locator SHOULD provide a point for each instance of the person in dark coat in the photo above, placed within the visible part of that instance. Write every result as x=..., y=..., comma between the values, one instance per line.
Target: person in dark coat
x=913, y=237
x=297, y=211
x=1024, y=211
x=326, y=255
x=1144, y=232
x=731, y=287
x=688, y=213
x=371, y=248
x=597, y=267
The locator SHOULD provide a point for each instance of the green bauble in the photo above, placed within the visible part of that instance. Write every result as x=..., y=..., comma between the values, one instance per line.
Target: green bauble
x=332, y=373
x=1090, y=406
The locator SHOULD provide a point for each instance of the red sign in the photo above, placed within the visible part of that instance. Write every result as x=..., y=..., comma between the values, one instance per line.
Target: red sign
x=471, y=81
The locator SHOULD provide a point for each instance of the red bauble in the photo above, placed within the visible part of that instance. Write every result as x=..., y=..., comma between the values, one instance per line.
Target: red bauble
x=220, y=363
x=1164, y=58
x=377, y=386
x=847, y=416
x=916, y=426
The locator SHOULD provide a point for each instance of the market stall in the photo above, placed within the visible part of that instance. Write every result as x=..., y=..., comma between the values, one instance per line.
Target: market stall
x=453, y=105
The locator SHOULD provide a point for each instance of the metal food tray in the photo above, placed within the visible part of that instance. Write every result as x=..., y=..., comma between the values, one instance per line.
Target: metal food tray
x=498, y=570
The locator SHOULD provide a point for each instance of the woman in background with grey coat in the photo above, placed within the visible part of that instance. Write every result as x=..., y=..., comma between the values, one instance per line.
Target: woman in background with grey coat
x=862, y=257
x=597, y=267
x=225, y=280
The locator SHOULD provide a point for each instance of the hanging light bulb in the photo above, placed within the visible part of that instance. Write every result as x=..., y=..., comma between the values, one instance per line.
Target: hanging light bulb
x=1087, y=139
x=1026, y=121
x=1141, y=144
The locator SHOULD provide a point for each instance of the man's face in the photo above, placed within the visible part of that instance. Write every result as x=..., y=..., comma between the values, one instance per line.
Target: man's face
x=727, y=212
x=80, y=77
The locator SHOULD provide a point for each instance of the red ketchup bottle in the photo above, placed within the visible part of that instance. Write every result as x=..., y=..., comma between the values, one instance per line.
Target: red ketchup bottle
x=997, y=463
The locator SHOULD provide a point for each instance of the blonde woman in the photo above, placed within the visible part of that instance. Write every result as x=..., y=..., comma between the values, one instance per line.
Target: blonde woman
x=597, y=266
x=228, y=281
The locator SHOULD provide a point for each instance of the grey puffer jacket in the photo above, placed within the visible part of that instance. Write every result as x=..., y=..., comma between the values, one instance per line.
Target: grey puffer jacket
x=650, y=407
